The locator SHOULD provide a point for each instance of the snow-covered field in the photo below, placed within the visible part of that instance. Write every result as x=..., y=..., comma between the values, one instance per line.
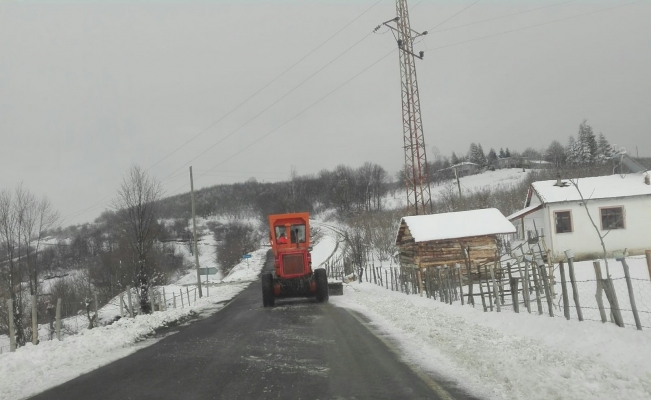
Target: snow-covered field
x=32, y=369
x=488, y=179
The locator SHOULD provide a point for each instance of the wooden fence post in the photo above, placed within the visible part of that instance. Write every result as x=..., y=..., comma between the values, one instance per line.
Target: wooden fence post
x=481, y=289
x=575, y=292
x=174, y=300
x=471, y=298
x=566, y=306
x=611, y=296
x=386, y=279
x=514, y=294
x=165, y=299
x=647, y=253
x=631, y=296
x=34, y=322
x=129, y=300
x=57, y=324
x=458, y=268
x=546, y=283
x=525, y=287
x=488, y=290
x=96, y=311
x=536, y=285
x=121, y=305
x=420, y=282
x=181, y=295
x=12, y=334
x=496, y=294
x=599, y=294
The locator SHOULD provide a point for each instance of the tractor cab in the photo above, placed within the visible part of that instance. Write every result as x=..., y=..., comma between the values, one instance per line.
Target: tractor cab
x=290, y=240
x=289, y=235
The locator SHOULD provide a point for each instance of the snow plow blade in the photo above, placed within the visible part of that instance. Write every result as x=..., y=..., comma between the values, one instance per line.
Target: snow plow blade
x=335, y=288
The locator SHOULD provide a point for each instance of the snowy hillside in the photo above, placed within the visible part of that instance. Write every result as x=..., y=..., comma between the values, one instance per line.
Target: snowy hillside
x=488, y=179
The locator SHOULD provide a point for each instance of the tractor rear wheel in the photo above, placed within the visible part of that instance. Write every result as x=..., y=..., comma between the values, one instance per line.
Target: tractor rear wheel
x=267, y=290
x=321, y=285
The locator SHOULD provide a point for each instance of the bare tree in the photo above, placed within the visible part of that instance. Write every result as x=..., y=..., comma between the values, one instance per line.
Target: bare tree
x=575, y=183
x=39, y=216
x=23, y=221
x=136, y=210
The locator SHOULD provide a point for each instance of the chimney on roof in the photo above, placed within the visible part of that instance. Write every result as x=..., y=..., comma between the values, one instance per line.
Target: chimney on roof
x=560, y=183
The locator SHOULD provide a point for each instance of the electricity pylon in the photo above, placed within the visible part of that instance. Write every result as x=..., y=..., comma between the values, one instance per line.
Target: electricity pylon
x=419, y=199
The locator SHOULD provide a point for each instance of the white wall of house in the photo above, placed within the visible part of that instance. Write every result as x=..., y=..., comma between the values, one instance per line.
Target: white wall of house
x=584, y=240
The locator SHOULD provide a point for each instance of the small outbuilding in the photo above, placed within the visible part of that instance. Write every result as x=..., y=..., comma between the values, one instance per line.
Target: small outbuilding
x=440, y=239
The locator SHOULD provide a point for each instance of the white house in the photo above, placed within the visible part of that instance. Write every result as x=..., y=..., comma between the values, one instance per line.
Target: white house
x=619, y=206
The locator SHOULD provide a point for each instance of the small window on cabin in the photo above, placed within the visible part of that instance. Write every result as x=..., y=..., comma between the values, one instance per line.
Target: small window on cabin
x=300, y=230
x=281, y=236
x=563, y=221
x=612, y=218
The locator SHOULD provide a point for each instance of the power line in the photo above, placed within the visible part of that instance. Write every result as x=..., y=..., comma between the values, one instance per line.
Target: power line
x=271, y=105
x=265, y=86
x=364, y=70
x=101, y=202
x=537, y=25
x=296, y=115
x=454, y=15
x=500, y=17
x=440, y=47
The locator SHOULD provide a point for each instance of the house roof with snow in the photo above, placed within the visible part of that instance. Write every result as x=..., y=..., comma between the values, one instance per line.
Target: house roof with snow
x=455, y=225
x=600, y=187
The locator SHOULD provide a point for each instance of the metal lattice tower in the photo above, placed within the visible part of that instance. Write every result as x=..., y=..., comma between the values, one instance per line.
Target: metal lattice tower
x=419, y=200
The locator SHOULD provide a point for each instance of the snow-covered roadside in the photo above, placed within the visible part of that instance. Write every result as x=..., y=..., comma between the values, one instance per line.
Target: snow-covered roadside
x=33, y=369
x=506, y=355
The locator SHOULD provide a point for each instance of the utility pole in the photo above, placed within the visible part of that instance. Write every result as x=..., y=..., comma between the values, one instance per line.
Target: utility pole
x=419, y=199
x=194, y=234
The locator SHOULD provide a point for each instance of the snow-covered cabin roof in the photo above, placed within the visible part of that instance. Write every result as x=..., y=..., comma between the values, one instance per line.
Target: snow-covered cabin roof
x=600, y=187
x=454, y=225
x=524, y=212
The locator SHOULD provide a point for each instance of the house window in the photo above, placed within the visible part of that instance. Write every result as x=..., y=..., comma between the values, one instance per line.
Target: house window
x=612, y=218
x=563, y=221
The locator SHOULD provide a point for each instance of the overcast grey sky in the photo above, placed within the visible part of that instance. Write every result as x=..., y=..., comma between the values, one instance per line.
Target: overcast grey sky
x=89, y=88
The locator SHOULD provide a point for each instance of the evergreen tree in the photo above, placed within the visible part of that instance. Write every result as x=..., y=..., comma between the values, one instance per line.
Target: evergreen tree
x=572, y=152
x=507, y=153
x=481, y=157
x=454, y=159
x=502, y=154
x=604, y=149
x=472, y=153
x=587, y=144
x=492, y=157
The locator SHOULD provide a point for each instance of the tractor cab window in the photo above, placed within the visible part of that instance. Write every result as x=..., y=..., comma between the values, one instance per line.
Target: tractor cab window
x=281, y=235
x=300, y=231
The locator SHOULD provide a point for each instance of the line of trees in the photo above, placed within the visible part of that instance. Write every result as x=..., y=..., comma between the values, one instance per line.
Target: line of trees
x=346, y=189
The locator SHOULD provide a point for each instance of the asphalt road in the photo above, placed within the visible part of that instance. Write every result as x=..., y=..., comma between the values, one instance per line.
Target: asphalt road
x=299, y=349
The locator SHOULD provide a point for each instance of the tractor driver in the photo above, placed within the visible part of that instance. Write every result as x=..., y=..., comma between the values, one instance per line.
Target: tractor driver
x=282, y=239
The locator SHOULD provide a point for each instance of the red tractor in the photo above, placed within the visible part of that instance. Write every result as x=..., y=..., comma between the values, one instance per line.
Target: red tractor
x=293, y=276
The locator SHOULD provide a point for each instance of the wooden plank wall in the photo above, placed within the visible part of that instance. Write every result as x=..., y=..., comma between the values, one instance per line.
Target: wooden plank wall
x=445, y=252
